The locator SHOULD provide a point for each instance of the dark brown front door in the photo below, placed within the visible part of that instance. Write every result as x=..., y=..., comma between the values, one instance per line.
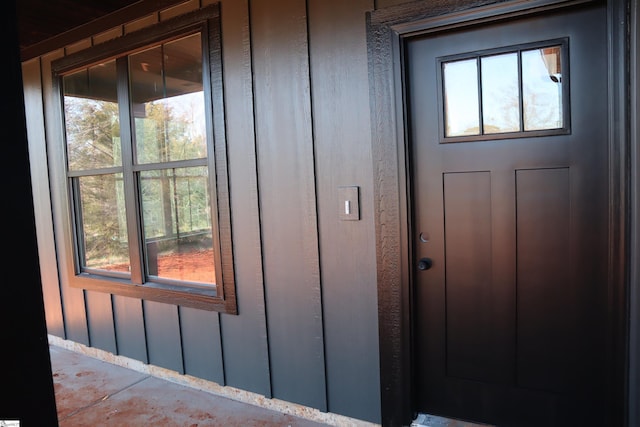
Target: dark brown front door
x=508, y=131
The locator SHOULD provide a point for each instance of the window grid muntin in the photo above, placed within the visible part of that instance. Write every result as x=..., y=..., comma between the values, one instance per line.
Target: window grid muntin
x=562, y=43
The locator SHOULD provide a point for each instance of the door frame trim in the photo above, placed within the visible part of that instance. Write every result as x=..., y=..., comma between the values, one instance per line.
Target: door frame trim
x=634, y=289
x=386, y=31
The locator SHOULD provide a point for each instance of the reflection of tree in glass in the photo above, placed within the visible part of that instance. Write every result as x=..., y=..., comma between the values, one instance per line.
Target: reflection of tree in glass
x=175, y=202
x=500, y=101
x=103, y=220
x=504, y=116
x=93, y=142
x=537, y=71
x=170, y=130
x=93, y=133
x=539, y=112
x=541, y=90
x=542, y=111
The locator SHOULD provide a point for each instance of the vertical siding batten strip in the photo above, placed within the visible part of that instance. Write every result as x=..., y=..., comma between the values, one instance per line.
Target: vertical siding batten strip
x=113, y=323
x=164, y=342
x=315, y=207
x=34, y=115
x=100, y=321
x=200, y=330
x=201, y=346
x=244, y=337
x=73, y=300
x=339, y=82
x=129, y=328
x=287, y=201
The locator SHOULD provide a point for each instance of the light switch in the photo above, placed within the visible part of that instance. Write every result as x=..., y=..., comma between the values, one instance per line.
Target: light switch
x=349, y=206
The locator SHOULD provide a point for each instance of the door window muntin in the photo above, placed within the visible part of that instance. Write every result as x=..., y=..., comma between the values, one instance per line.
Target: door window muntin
x=563, y=95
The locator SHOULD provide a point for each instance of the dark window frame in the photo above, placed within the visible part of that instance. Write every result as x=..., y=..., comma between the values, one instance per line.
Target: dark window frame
x=222, y=298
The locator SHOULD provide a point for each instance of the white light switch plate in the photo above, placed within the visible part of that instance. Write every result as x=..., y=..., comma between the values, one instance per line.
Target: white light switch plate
x=349, y=203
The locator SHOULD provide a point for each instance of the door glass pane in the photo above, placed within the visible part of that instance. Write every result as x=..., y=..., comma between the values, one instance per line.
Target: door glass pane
x=500, y=94
x=542, y=88
x=91, y=118
x=461, y=106
x=177, y=224
x=168, y=102
x=104, y=244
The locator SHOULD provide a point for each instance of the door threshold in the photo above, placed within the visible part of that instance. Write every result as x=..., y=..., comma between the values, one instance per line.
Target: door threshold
x=426, y=420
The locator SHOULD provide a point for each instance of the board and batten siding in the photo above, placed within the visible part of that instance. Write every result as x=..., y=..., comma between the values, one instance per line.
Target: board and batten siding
x=296, y=102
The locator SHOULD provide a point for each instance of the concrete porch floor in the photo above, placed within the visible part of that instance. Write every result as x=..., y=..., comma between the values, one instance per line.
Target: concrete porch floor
x=91, y=391
x=95, y=393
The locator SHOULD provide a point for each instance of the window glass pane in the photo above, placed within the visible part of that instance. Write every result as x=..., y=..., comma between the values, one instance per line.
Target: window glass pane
x=461, y=106
x=91, y=118
x=177, y=224
x=542, y=88
x=168, y=102
x=500, y=94
x=104, y=243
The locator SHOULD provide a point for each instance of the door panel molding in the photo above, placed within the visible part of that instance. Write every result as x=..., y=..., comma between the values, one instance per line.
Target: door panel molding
x=386, y=31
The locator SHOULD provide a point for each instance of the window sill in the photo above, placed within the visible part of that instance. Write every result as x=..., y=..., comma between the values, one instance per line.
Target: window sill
x=185, y=296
